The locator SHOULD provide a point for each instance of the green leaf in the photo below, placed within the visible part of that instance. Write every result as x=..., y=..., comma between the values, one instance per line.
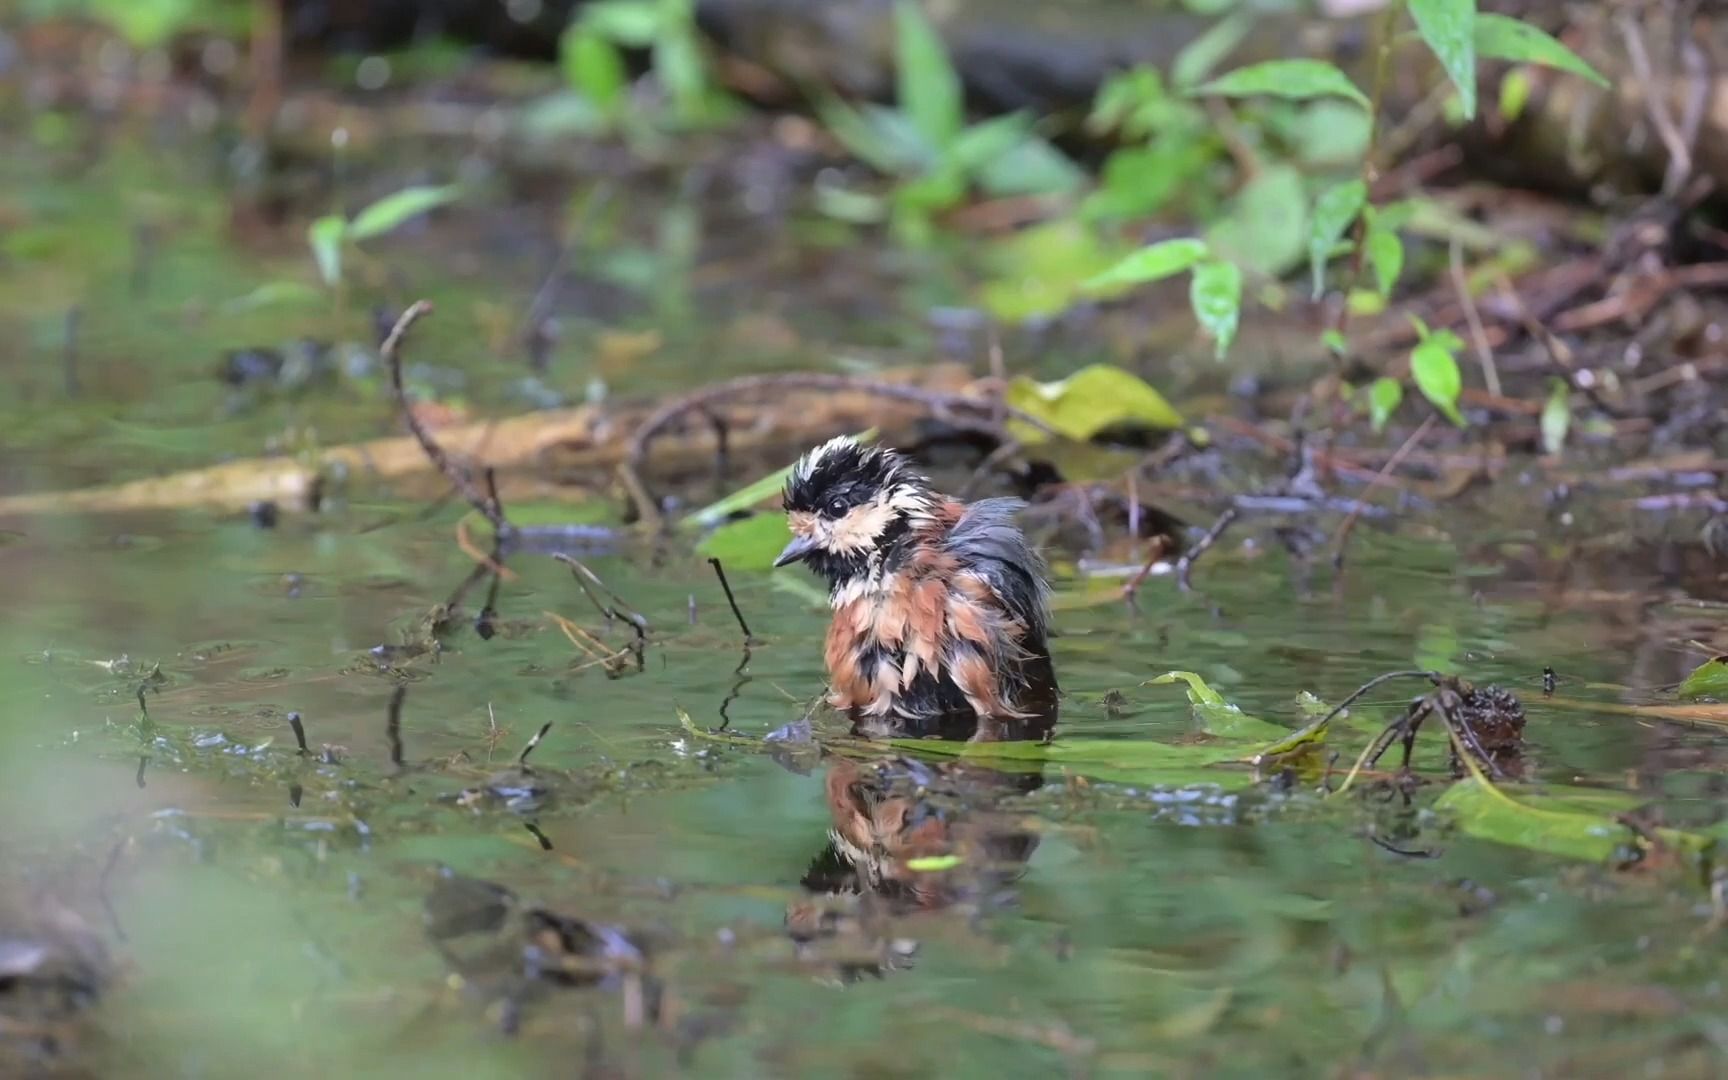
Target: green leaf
x=1556, y=417
x=1217, y=716
x=634, y=23
x=1030, y=167
x=1449, y=28
x=750, y=543
x=1040, y=271
x=1504, y=38
x=1266, y=225
x=1298, y=80
x=984, y=142
x=1707, y=680
x=1384, y=396
x=751, y=495
x=1435, y=370
x=1334, y=211
x=273, y=294
x=1486, y=812
x=1216, y=296
x=326, y=236
x=928, y=85
x=678, y=65
x=1087, y=402
x=1200, y=56
x=880, y=137
x=392, y=210
x=1385, y=256
x=592, y=66
x=1160, y=260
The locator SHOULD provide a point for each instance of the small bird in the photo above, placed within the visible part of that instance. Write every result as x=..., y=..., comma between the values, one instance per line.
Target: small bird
x=941, y=608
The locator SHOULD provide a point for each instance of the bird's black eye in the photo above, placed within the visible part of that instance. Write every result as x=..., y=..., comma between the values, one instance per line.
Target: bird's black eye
x=837, y=508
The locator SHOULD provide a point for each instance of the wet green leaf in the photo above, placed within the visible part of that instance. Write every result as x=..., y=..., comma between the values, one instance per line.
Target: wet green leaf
x=1087, y=402
x=927, y=84
x=1436, y=373
x=1152, y=263
x=393, y=210
x=1384, y=396
x=1556, y=417
x=1334, y=212
x=1216, y=296
x=1488, y=813
x=1030, y=167
x=635, y=23
x=326, y=236
x=1299, y=80
x=1266, y=225
x=1707, y=680
x=1449, y=28
x=1041, y=271
x=1200, y=56
x=1385, y=253
x=1218, y=717
x=1503, y=38
x=592, y=66
x=750, y=543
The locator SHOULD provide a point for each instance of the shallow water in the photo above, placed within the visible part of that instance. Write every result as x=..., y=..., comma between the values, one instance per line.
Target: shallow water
x=1172, y=919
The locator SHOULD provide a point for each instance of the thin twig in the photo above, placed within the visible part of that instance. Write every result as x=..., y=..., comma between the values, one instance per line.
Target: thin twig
x=1160, y=545
x=1478, y=336
x=1343, y=537
x=720, y=572
x=1656, y=105
x=1185, y=565
x=459, y=477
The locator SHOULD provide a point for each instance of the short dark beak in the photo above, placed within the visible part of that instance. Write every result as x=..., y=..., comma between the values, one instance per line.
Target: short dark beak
x=799, y=549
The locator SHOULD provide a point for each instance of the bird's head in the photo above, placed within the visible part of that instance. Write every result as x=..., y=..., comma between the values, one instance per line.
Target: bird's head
x=847, y=503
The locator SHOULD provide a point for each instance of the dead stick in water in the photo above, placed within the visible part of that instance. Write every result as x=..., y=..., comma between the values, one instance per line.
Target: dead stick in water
x=459, y=476
x=720, y=572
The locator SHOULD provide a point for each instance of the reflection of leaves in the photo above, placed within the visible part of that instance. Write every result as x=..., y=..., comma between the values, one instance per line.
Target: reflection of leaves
x=1709, y=679
x=1296, y=79
x=1504, y=38
x=1087, y=402
x=1449, y=28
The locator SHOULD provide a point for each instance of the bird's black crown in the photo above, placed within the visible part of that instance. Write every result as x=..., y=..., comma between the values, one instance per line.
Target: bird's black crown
x=841, y=474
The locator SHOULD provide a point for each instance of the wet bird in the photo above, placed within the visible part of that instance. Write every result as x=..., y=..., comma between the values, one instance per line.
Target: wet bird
x=940, y=608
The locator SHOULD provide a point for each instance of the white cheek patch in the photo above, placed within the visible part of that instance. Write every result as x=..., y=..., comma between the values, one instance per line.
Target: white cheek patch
x=859, y=530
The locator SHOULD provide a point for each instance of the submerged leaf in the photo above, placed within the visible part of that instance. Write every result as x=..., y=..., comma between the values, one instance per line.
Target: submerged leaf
x=1089, y=401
